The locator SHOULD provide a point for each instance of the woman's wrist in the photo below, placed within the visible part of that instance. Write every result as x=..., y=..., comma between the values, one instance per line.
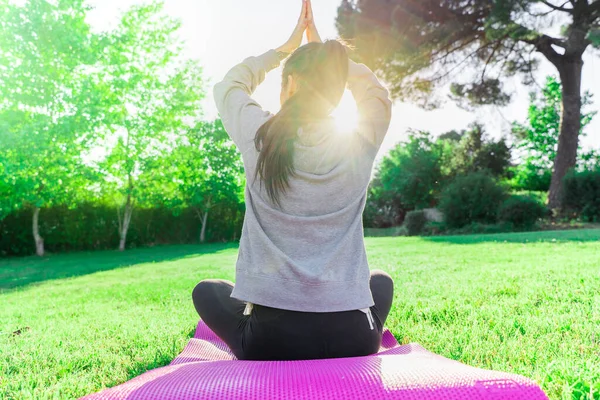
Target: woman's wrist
x=283, y=49
x=282, y=55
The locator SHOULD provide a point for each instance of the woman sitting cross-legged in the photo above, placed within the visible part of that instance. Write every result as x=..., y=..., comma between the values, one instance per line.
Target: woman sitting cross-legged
x=303, y=286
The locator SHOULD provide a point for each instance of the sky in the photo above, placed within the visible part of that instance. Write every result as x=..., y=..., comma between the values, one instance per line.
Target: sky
x=221, y=33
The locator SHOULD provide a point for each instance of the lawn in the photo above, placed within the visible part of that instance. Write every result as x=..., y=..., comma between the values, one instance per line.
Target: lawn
x=523, y=303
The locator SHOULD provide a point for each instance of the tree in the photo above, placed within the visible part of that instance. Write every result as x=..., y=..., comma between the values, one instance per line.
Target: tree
x=538, y=139
x=48, y=103
x=154, y=98
x=419, y=45
x=207, y=170
x=471, y=151
x=411, y=174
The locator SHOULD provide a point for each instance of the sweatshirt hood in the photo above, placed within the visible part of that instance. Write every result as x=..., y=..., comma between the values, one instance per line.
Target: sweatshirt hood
x=319, y=148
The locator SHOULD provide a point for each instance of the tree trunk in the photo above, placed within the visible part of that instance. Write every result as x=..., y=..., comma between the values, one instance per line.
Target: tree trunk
x=124, y=225
x=203, y=230
x=570, y=126
x=39, y=241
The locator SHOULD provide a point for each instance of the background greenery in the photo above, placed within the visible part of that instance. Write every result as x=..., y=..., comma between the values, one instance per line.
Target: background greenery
x=103, y=144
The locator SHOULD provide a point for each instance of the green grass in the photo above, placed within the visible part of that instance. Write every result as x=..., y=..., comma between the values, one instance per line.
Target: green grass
x=524, y=303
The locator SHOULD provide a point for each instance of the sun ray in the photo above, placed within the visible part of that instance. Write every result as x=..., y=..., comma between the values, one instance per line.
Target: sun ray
x=346, y=115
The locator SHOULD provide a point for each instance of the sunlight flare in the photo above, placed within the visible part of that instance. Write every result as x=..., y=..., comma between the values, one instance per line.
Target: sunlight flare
x=346, y=115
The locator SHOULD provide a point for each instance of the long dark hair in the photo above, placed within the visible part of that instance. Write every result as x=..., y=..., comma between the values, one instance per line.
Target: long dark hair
x=321, y=70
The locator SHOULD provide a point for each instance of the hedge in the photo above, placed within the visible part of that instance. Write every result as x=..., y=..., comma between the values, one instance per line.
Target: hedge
x=581, y=194
x=95, y=227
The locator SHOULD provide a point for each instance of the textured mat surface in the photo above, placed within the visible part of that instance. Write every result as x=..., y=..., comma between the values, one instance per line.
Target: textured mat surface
x=207, y=370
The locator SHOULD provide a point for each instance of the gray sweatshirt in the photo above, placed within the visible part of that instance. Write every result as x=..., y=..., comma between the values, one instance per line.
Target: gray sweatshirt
x=309, y=254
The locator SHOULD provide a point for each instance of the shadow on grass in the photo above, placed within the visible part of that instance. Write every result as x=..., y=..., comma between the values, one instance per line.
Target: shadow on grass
x=18, y=272
x=579, y=235
x=161, y=359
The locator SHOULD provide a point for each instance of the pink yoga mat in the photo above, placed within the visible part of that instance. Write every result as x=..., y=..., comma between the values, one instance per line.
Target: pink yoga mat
x=206, y=369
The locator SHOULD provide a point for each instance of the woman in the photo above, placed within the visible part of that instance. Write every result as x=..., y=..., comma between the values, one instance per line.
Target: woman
x=303, y=288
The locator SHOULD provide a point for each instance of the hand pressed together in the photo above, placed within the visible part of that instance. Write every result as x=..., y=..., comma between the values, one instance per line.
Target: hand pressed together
x=306, y=23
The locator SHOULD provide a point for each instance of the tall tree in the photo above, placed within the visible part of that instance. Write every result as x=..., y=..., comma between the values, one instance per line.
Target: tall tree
x=538, y=138
x=154, y=97
x=48, y=103
x=207, y=169
x=419, y=45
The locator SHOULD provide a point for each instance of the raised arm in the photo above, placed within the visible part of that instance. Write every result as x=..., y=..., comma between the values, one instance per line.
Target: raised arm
x=241, y=115
x=372, y=99
x=373, y=103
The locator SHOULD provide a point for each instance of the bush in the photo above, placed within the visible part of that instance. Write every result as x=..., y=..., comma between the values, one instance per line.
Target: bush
x=472, y=198
x=433, y=228
x=522, y=211
x=581, y=194
x=529, y=177
x=382, y=209
x=415, y=222
x=477, y=228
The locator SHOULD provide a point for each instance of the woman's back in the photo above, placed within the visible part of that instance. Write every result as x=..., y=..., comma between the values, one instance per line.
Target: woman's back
x=311, y=243
x=307, y=248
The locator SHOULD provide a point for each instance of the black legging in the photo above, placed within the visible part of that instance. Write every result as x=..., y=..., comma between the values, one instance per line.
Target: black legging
x=274, y=334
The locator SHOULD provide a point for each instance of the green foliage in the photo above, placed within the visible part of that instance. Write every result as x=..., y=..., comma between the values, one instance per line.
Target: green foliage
x=49, y=102
x=414, y=173
x=522, y=211
x=68, y=92
x=478, y=228
x=540, y=196
x=529, y=176
x=411, y=173
x=471, y=151
x=582, y=194
x=472, y=198
x=415, y=222
x=94, y=227
x=590, y=160
x=153, y=99
x=207, y=170
x=538, y=139
x=383, y=209
x=594, y=37
x=486, y=92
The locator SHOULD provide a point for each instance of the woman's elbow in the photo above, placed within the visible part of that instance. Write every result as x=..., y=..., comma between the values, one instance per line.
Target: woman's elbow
x=219, y=93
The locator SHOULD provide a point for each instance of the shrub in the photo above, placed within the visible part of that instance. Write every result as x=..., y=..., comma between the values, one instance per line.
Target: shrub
x=415, y=222
x=472, y=198
x=433, y=228
x=382, y=209
x=581, y=194
x=522, y=211
x=530, y=177
x=477, y=228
